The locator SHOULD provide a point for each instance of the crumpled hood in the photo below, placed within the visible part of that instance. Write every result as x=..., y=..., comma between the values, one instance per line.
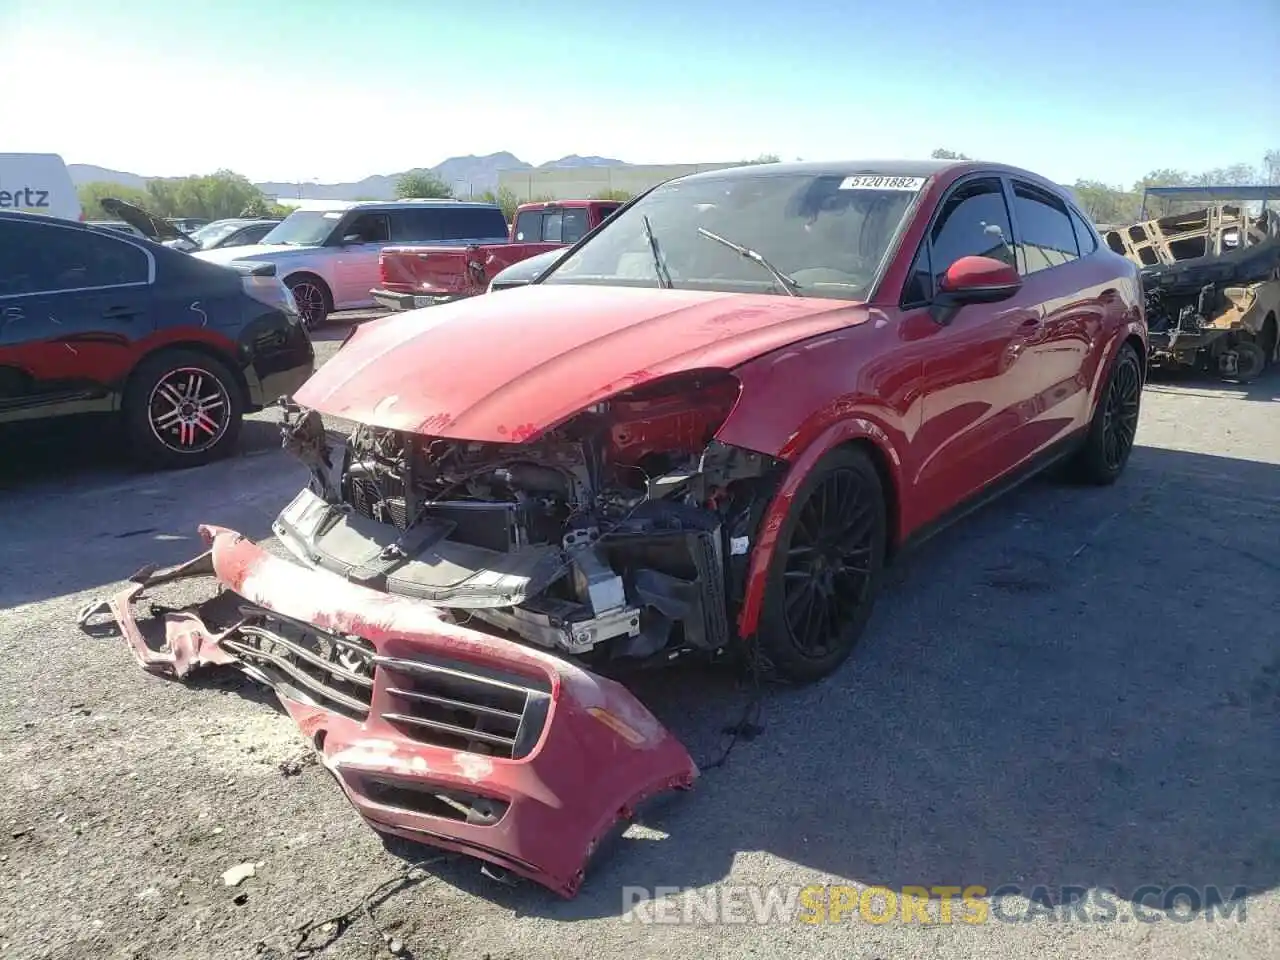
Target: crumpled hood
x=504, y=367
x=256, y=251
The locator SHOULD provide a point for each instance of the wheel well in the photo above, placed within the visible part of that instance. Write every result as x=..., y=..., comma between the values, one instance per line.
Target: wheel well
x=324, y=287
x=195, y=346
x=880, y=461
x=1135, y=341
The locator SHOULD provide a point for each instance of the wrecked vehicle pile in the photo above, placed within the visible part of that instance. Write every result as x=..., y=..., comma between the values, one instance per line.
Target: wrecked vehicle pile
x=1212, y=284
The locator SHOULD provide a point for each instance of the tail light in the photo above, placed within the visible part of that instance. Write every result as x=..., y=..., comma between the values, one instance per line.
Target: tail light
x=382, y=269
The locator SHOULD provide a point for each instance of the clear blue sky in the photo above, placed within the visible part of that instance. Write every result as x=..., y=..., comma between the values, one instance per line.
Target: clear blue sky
x=336, y=90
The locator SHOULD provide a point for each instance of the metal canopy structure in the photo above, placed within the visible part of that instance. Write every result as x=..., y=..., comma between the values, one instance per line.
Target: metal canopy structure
x=1213, y=194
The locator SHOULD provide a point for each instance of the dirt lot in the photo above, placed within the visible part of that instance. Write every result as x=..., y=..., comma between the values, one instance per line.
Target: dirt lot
x=1072, y=687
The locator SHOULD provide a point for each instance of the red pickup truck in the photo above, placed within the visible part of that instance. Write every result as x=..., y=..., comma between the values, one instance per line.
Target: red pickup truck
x=421, y=276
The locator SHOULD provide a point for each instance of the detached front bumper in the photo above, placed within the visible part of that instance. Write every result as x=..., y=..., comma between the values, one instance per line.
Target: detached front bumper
x=435, y=732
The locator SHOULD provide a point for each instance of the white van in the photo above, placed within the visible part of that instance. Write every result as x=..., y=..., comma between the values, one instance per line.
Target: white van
x=37, y=183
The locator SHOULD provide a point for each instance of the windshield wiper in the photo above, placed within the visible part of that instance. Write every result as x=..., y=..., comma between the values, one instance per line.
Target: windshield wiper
x=787, y=284
x=664, y=276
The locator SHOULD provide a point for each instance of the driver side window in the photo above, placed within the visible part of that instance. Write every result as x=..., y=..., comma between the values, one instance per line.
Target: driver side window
x=973, y=221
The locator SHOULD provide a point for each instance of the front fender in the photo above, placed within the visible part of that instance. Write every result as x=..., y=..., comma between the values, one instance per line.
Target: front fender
x=853, y=430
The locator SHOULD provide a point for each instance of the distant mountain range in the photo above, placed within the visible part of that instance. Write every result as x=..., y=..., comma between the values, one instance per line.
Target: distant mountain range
x=469, y=174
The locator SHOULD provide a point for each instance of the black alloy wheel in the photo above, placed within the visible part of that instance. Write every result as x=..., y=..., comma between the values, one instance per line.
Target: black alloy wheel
x=312, y=300
x=1120, y=418
x=1110, y=438
x=826, y=568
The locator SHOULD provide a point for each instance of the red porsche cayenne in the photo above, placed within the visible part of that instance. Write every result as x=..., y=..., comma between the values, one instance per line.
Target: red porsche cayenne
x=706, y=429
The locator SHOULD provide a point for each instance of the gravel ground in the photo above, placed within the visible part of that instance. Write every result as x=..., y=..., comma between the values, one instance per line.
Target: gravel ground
x=1072, y=687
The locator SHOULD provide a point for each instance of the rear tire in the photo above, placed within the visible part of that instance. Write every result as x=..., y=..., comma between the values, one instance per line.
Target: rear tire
x=826, y=568
x=182, y=408
x=312, y=295
x=1114, y=427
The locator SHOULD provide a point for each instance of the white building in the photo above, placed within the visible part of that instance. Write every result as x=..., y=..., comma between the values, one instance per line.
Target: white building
x=576, y=183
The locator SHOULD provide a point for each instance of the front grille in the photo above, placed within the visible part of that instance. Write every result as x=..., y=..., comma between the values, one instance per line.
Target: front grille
x=460, y=707
x=331, y=671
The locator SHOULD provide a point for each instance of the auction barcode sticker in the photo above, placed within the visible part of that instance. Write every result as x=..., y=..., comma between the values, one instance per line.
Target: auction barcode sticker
x=868, y=181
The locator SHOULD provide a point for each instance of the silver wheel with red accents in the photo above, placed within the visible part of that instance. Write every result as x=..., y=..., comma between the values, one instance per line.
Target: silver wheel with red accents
x=182, y=408
x=189, y=410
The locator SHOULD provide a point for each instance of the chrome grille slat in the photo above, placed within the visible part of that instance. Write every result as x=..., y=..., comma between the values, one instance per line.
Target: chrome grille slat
x=431, y=669
x=303, y=653
x=466, y=733
x=292, y=671
x=453, y=704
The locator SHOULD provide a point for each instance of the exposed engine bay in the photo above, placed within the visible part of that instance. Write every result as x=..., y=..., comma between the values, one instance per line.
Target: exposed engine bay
x=621, y=535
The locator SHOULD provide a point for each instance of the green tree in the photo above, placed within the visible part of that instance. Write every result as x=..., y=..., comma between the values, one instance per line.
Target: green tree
x=763, y=158
x=1236, y=175
x=1103, y=203
x=943, y=154
x=620, y=195
x=422, y=184
x=1271, y=163
x=92, y=194
x=213, y=196
x=505, y=198
x=261, y=206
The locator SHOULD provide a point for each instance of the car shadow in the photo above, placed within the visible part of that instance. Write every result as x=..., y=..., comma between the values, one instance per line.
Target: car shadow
x=1072, y=687
x=1266, y=388
x=78, y=515
x=92, y=450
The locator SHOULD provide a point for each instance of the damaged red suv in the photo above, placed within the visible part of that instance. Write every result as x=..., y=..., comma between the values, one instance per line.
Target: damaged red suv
x=704, y=432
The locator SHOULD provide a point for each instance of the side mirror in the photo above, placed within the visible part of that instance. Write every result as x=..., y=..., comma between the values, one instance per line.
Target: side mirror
x=973, y=280
x=352, y=238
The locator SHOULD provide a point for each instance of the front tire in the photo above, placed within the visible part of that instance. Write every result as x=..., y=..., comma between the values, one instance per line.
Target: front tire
x=313, y=298
x=182, y=408
x=826, y=568
x=1114, y=427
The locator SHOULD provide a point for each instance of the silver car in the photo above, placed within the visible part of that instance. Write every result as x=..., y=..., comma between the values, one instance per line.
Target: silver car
x=329, y=257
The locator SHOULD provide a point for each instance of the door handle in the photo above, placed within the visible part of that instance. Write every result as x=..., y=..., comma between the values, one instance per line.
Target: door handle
x=120, y=313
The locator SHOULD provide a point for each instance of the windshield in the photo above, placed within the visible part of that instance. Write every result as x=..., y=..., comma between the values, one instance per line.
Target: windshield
x=212, y=233
x=819, y=235
x=305, y=228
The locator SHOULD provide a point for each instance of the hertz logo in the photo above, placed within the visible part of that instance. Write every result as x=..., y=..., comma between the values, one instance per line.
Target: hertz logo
x=24, y=198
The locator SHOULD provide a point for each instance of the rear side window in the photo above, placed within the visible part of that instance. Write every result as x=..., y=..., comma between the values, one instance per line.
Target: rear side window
x=253, y=234
x=573, y=226
x=48, y=259
x=463, y=223
x=552, y=226
x=529, y=226
x=1086, y=237
x=415, y=225
x=1045, y=234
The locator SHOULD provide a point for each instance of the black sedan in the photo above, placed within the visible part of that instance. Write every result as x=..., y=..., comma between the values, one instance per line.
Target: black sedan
x=93, y=321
